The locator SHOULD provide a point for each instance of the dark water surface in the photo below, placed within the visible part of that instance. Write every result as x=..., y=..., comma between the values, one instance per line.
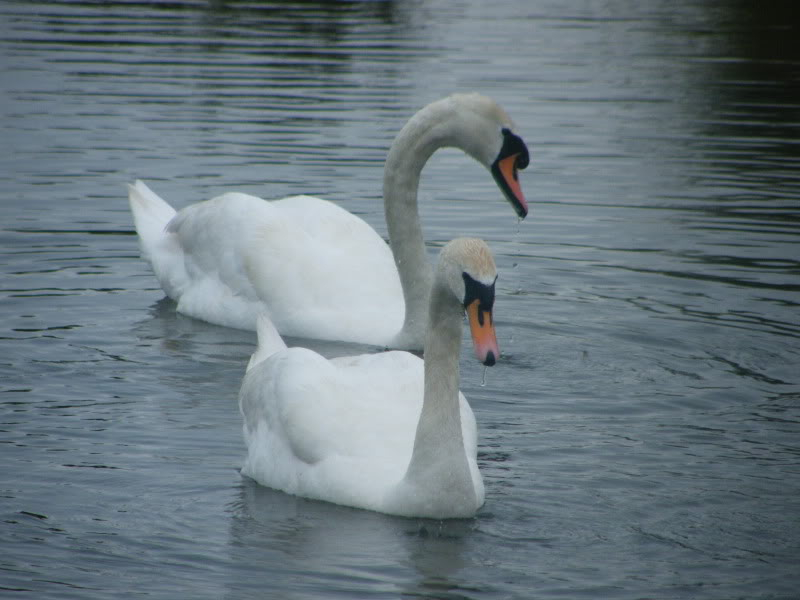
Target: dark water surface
x=640, y=437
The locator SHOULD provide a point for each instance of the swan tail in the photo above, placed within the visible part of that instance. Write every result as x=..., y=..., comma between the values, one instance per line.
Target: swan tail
x=150, y=216
x=269, y=341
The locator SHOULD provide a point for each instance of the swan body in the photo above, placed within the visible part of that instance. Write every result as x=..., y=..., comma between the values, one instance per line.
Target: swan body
x=228, y=259
x=314, y=269
x=387, y=432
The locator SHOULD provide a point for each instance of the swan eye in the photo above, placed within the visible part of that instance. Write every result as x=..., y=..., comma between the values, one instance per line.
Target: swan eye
x=475, y=290
x=513, y=145
x=478, y=303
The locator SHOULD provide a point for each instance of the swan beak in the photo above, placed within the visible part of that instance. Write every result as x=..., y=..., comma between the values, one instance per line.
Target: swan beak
x=484, y=338
x=505, y=174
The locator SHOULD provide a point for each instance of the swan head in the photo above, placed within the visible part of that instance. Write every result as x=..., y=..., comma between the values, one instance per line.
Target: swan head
x=467, y=267
x=492, y=141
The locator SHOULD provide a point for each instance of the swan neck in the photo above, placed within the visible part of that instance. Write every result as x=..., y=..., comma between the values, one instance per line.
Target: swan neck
x=439, y=459
x=435, y=126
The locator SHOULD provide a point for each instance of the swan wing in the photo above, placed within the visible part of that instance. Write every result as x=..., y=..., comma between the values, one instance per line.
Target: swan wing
x=340, y=430
x=325, y=273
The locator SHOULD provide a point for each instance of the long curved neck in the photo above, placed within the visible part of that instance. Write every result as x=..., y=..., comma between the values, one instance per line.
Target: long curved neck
x=439, y=460
x=435, y=126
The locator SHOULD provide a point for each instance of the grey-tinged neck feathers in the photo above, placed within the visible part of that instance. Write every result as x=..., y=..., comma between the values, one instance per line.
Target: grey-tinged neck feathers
x=439, y=480
x=470, y=122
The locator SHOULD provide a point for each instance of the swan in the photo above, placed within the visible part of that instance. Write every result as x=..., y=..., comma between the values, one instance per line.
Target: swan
x=387, y=432
x=315, y=269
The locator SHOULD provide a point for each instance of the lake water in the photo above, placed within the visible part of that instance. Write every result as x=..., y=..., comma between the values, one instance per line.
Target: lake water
x=640, y=436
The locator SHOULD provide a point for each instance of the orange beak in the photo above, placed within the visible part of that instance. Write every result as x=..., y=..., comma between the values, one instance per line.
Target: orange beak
x=508, y=168
x=484, y=338
x=506, y=174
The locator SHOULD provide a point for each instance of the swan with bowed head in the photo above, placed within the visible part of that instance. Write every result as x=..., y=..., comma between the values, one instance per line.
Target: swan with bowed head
x=387, y=432
x=316, y=270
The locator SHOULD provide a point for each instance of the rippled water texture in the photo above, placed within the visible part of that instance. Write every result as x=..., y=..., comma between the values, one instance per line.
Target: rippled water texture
x=640, y=436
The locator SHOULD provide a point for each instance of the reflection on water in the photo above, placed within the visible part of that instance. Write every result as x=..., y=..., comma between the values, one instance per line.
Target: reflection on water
x=293, y=538
x=639, y=435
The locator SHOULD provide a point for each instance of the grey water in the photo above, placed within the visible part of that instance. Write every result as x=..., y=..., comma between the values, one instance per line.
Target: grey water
x=640, y=435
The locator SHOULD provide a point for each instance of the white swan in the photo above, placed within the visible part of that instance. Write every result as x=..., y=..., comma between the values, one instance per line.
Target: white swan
x=318, y=271
x=384, y=432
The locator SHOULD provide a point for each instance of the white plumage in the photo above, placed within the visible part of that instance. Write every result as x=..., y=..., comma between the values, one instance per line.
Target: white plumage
x=384, y=432
x=315, y=269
